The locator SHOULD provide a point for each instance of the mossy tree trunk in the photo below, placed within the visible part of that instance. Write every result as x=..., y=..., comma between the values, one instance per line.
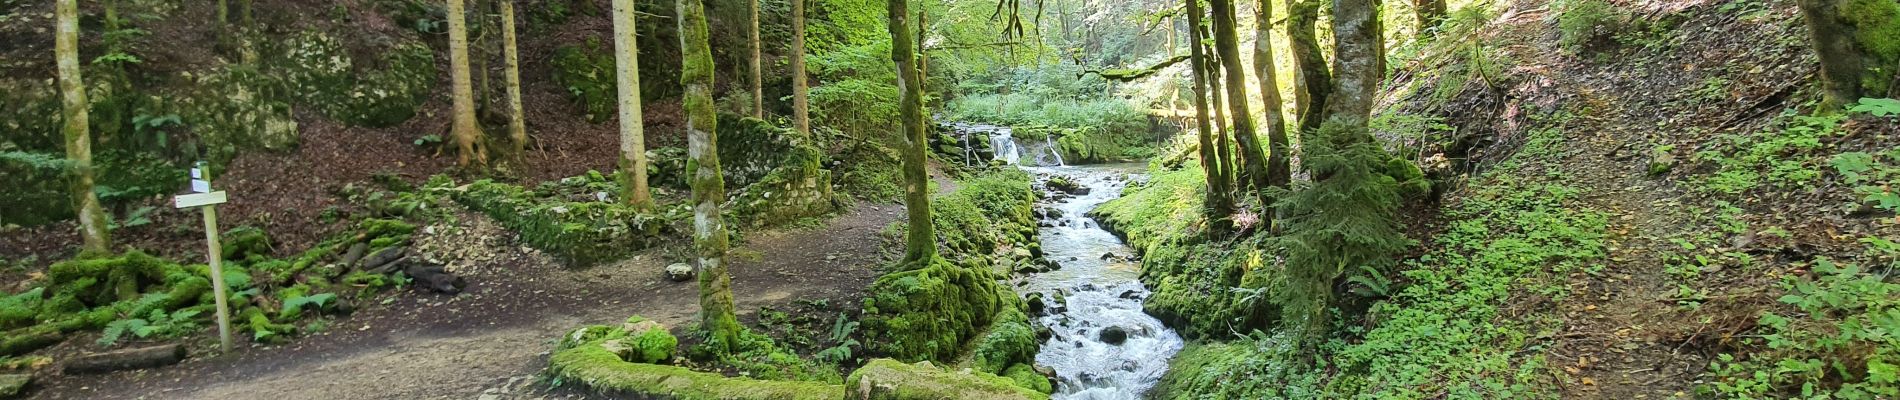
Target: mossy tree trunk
x=1279, y=153
x=72, y=88
x=801, y=89
x=633, y=148
x=1358, y=61
x=463, y=128
x=1313, y=81
x=1430, y=13
x=758, y=72
x=1219, y=207
x=1858, y=42
x=1253, y=172
x=1224, y=152
x=517, y=123
x=920, y=245
x=702, y=169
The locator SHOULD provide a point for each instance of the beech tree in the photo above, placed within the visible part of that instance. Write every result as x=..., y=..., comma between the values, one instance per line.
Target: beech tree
x=1313, y=82
x=801, y=90
x=758, y=73
x=517, y=124
x=1858, y=42
x=72, y=89
x=633, y=148
x=702, y=169
x=463, y=127
x=1358, y=61
x=1219, y=206
x=1279, y=156
x=1253, y=173
x=920, y=245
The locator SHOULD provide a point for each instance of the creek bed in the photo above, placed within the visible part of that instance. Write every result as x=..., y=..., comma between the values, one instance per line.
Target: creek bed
x=1097, y=289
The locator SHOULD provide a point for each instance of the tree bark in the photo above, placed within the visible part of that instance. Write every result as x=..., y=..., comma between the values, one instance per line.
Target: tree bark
x=702, y=168
x=1279, y=154
x=517, y=123
x=758, y=73
x=139, y=358
x=633, y=148
x=1219, y=207
x=801, y=89
x=1843, y=33
x=920, y=246
x=1314, y=80
x=1252, y=172
x=464, y=128
x=72, y=88
x=1358, y=61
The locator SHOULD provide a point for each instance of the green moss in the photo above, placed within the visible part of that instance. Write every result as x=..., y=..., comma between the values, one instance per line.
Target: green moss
x=323, y=75
x=886, y=379
x=1877, y=29
x=587, y=72
x=583, y=233
x=1010, y=341
x=587, y=363
x=930, y=312
x=242, y=242
x=651, y=344
x=1026, y=376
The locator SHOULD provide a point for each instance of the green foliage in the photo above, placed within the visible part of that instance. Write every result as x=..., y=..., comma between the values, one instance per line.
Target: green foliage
x=1255, y=367
x=1582, y=23
x=1026, y=376
x=1345, y=220
x=1877, y=107
x=587, y=72
x=1873, y=180
x=1841, y=341
x=1201, y=287
x=157, y=324
x=841, y=332
x=1010, y=341
x=1782, y=156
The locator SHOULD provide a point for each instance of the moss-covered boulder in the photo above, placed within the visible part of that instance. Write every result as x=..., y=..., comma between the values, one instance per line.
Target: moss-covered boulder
x=929, y=313
x=599, y=368
x=583, y=232
x=887, y=379
x=780, y=175
x=586, y=70
x=321, y=73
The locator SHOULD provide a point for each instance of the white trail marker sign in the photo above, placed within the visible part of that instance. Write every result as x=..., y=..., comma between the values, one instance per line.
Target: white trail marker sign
x=206, y=199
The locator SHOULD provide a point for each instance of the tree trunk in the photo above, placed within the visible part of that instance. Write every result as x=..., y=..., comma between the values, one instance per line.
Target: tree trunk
x=517, y=123
x=920, y=247
x=138, y=358
x=758, y=73
x=464, y=128
x=1253, y=172
x=633, y=148
x=1430, y=13
x=72, y=88
x=801, y=89
x=1219, y=207
x=1358, y=61
x=1314, y=80
x=1849, y=36
x=702, y=168
x=1279, y=164
x=1224, y=153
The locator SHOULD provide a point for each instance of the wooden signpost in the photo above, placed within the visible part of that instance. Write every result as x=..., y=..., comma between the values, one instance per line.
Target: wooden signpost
x=205, y=199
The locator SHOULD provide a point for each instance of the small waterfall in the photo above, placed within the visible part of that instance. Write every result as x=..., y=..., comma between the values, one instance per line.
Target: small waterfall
x=1054, y=151
x=1004, y=145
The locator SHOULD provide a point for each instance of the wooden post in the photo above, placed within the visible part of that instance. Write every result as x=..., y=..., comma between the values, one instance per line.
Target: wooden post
x=207, y=200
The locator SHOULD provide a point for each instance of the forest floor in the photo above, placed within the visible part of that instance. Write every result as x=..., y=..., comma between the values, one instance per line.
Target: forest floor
x=491, y=341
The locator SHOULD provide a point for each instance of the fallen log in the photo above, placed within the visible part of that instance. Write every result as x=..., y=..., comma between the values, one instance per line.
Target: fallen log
x=140, y=358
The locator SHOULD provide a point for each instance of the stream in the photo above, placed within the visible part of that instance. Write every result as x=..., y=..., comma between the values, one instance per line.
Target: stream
x=1098, y=287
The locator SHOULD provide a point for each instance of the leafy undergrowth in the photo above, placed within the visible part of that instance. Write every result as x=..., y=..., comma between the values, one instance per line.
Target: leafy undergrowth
x=1448, y=328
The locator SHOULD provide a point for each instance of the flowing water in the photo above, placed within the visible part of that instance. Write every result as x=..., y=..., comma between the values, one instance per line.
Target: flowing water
x=1098, y=287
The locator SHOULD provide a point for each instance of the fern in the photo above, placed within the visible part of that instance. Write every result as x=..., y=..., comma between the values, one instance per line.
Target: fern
x=1346, y=220
x=319, y=299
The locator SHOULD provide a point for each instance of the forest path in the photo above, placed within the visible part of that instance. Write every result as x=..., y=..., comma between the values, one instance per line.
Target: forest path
x=492, y=340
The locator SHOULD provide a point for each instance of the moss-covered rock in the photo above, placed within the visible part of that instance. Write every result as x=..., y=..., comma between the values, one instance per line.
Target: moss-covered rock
x=588, y=363
x=587, y=72
x=887, y=379
x=1026, y=376
x=1010, y=341
x=645, y=342
x=582, y=232
x=929, y=313
x=322, y=74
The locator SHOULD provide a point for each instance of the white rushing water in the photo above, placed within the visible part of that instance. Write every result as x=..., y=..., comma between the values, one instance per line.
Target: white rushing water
x=1100, y=289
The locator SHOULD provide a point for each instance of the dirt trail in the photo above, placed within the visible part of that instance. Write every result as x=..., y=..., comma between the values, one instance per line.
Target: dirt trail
x=490, y=341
